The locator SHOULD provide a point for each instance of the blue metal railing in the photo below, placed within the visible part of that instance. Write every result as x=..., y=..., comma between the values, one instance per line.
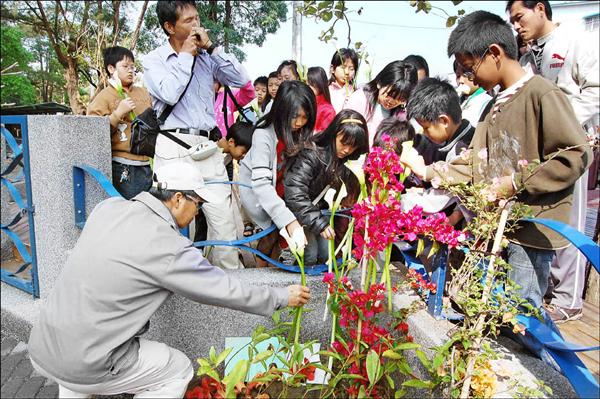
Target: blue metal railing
x=20, y=158
x=79, y=190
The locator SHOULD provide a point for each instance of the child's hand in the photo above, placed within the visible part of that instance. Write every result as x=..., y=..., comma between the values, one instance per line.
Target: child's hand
x=328, y=233
x=413, y=160
x=125, y=106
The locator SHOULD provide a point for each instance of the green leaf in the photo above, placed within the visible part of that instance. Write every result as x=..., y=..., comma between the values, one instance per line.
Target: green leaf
x=434, y=248
x=324, y=4
x=212, y=354
x=236, y=375
x=203, y=362
x=456, y=2
x=223, y=356
x=392, y=355
x=209, y=371
x=258, y=331
x=404, y=367
x=399, y=393
x=326, y=16
x=373, y=367
x=420, y=247
x=261, y=337
x=461, y=12
x=406, y=346
x=352, y=377
x=390, y=381
x=362, y=392
x=334, y=355
x=438, y=360
x=423, y=358
x=451, y=21
x=262, y=356
x=414, y=383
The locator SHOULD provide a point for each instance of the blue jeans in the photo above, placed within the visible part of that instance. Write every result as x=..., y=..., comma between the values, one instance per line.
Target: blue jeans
x=530, y=270
x=131, y=180
x=316, y=251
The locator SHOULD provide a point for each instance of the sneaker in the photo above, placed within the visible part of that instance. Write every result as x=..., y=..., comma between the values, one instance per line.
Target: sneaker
x=561, y=315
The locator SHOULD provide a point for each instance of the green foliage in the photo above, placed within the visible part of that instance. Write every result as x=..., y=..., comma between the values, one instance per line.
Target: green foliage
x=426, y=6
x=16, y=87
x=231, y=23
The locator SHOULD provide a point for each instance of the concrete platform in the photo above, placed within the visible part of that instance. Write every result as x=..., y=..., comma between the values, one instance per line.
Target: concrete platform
x=194, y=328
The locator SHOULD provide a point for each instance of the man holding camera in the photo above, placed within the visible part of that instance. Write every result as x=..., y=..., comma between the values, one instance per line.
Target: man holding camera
x=181, y=74
x=129, y=259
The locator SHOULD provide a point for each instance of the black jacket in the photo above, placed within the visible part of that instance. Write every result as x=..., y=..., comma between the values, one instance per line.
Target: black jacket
x=305, y=178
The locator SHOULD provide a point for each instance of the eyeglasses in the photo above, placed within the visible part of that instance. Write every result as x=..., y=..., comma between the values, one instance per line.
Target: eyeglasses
x=128, y=67
x=197, y=202
x=470, y=73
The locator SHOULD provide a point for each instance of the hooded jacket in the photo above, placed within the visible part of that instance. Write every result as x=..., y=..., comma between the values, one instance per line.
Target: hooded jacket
x=306, y=178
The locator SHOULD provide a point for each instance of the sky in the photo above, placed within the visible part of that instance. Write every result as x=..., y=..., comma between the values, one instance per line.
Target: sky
x=389, y=30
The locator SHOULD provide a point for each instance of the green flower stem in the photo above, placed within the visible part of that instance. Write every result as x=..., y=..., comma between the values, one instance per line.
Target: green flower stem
x=364, y=260
x=386, y=271
x=298, y=315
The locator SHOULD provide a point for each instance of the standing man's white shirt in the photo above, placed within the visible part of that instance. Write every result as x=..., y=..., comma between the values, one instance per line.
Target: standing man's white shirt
x=570, y=60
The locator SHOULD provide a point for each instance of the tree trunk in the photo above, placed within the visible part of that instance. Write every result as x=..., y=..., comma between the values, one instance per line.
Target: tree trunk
x=72, y=86
x=138, y=26
x=227, y=24
x=296, y=32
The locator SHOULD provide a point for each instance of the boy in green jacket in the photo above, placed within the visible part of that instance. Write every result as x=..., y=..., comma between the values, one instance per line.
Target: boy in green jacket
x=534, y=118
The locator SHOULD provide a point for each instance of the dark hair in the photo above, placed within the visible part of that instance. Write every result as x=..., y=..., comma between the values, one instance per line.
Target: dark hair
x=112, y=55
x=477, y=31
x=355, y=134
x=402, y=78
x=418, y=62
x=289, y=63
x=455, y=65
x=340, y=57
x=399, y=131
x=531, y=5
x=291, y=96
x=241, y=134
x=261, y=80
x=165, y=195
x=273, y=75
x=433, y=97
x=317, y=78
x=168, y=11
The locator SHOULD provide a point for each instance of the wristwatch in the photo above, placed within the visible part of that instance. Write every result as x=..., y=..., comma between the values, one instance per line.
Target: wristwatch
x=212, y=48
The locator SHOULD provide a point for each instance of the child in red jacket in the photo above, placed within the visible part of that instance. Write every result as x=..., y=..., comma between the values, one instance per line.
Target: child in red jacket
x=317, y=80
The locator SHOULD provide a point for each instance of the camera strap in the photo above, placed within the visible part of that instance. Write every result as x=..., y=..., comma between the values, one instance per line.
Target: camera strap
x=229, y=93
x=169, y=108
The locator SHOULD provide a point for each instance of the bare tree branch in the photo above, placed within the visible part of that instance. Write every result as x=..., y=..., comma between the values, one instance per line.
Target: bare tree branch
x=62, y=58
x=116, y=28
x=138, y=26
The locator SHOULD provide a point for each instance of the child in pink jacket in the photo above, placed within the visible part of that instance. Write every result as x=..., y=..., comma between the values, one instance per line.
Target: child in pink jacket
x=384, y=96
x=242, y=95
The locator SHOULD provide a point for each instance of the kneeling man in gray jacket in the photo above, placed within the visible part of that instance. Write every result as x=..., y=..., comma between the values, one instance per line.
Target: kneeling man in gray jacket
x=129, y=259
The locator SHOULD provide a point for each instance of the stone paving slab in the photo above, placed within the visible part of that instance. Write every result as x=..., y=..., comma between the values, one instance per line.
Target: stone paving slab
x=20, y=380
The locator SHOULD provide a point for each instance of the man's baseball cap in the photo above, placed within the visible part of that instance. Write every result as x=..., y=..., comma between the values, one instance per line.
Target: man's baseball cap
x=183, y=176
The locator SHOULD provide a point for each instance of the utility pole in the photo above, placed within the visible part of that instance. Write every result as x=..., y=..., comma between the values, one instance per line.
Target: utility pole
x=296, y=31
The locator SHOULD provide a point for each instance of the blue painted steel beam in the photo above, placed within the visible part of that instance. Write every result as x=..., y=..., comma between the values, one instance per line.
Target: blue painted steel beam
x=79, y=190
x=29, y=256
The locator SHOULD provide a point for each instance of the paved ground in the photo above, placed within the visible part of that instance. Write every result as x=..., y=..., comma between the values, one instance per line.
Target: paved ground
x=19, y=380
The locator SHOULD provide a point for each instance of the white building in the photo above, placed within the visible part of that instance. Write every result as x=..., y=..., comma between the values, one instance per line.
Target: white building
x=584, y=12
